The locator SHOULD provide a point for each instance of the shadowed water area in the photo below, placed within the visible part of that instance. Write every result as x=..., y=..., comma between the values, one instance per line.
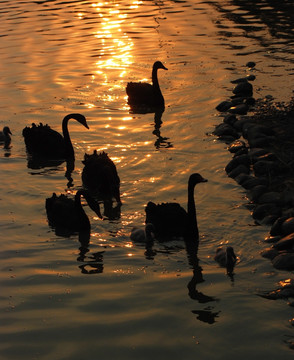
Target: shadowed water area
x=112, y=298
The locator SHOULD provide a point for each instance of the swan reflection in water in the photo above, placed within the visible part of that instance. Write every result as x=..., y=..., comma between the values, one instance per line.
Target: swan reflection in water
x=67, y=217
x=170, y=247
x=169, y=221
x=161, y=142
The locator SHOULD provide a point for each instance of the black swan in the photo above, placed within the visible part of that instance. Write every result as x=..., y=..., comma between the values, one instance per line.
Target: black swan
x=5, y=136
x=67, y=215
x=100, y=176
x=141, y=94
x=142, y=235
x=170, y=219
x=43, y=141
x=226, y=257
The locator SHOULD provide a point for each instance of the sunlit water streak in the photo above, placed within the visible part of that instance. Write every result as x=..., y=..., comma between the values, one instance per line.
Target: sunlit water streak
x=116, y=300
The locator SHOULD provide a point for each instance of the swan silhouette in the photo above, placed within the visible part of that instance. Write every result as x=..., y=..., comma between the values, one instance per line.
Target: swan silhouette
x=142, y=235
x=145, y=95
x=170, y=219
x=100, y=176
x=5, y=137
x=67, y=215
x=43, y=141
x=226, y=257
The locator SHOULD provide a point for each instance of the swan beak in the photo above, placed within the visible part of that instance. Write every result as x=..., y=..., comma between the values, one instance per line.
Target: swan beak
x=204, y=180
x=165, y=68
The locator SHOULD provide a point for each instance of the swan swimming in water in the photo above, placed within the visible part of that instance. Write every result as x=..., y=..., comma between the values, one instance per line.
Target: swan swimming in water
x=67, y=215
x=226, y=257
x=142, y=235
x=5, y=137
x=170, y=219
x=43, y=141
x=142, y=94
x=100, y=176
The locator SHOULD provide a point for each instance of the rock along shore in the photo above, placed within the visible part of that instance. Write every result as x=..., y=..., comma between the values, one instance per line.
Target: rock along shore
x=262, y=147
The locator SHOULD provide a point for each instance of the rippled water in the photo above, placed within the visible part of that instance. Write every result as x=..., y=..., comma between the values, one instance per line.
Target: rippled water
x=117, y=302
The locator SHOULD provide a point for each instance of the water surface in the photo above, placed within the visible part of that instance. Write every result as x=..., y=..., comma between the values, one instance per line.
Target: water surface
x=116, y=300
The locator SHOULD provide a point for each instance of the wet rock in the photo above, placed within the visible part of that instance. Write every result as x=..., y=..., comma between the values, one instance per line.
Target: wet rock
x=256, y=130
x=240, y=179
x=285, y=290
x=241, y=123
x=224, y=106
x=240, y=109
x=240, y=169
x=257, y=191
x=230, y=119
x=263, y=167
x=238, y=160
x=244, y=79
x=284, y=261
x=250, y=64
x=287, y=226
x=286, y=243
x=272, y=239
x=269, y=253
x=287, y=198
x=243, y=89
x=225, y=130
x=252, y=182
x=288, y=212
x=259, y=141
x=236, y=146
x=266, y=157
x=250, y=101
x=263, y=210
x=254, y=153
x=270, y=197
x=276, y=229
x=268, y=220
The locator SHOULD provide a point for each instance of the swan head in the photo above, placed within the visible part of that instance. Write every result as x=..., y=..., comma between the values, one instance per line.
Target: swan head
x=6, y=131
x=80, y=118
x=196, y=179
x=159, y=65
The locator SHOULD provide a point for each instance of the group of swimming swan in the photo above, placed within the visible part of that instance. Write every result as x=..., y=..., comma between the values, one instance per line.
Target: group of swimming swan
x=100, y=176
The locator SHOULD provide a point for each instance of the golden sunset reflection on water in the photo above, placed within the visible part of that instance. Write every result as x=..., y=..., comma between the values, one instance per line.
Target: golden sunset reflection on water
x=110, y=294
x=115, y=46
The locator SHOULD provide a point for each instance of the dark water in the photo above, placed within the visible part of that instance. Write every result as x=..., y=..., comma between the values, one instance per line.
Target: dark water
x=60, y=57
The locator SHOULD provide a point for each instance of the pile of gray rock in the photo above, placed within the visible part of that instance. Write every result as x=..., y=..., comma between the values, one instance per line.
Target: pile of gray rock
x=259, y=136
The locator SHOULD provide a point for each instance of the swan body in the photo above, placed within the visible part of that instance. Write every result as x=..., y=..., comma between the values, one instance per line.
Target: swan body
x=43, y=141
x=170, y=219
x=142, y=235
x=5, y=136
x=67, y=215
x=141, y=94
x=100, y=176
x=226, y=257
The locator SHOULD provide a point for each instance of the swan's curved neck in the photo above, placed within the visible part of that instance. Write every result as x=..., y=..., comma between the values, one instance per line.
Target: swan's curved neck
x=7, y=141
x=67, y=141
x=84, y=221
x=192, y=216
x=158, y=95
x=155, y=78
